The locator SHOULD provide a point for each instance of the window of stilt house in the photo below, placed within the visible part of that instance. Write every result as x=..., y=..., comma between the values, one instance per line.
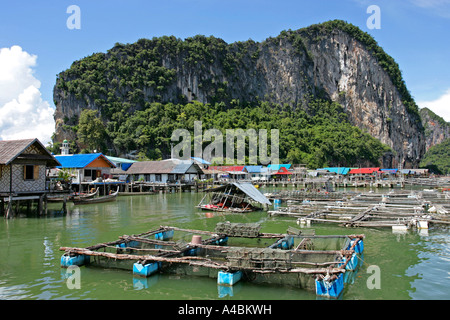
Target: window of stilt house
x=30, y=172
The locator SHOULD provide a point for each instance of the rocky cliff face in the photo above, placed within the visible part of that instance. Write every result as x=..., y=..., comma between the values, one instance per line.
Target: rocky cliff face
x=436, y=128
x=318, y=62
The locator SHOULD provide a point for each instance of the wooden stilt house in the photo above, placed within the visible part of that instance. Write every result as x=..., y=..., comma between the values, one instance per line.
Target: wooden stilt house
x=23, y=165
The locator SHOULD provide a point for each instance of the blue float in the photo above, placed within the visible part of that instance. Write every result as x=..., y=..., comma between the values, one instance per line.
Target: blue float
x=129, y=244
x=78, y=260
x=145, y=270
x=165, y=235
x=285, y=243
x=359, y=247
x=228, y=278
x=330, y=289
x=221, y=241
x=190, y=252
x=352, y=264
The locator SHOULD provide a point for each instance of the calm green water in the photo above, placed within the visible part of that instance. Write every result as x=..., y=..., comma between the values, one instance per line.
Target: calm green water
x=412, y=266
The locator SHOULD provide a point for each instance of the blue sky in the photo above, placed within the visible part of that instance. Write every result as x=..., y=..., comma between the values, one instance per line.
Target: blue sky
x=413, y=32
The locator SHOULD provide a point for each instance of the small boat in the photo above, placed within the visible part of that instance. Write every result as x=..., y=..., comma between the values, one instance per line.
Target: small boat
x=107, y=198
x=74, y=196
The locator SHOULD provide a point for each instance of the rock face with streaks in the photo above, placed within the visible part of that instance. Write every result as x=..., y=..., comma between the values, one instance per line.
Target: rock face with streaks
x=436, y=128
x=333, y=60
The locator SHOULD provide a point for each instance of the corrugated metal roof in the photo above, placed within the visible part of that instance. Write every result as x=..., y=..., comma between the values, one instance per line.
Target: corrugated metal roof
x=253, y=169
x=364, y=170
x=252, y=192
x=79, y=161
x=338, y=170
x=149, y=167
x=181, y=168
x=276, y=167
x=11, y=149
x=171, y=166
x=283, y=170
x=390, y=170
x=117, y=160
x=227, y=168
x=200, y=160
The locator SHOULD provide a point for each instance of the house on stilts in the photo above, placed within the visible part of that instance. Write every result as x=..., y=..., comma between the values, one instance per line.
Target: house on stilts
x=23, y=175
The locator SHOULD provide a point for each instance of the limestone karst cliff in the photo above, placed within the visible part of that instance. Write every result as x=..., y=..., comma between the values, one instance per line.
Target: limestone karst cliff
x=332, y=60
x=436, y=128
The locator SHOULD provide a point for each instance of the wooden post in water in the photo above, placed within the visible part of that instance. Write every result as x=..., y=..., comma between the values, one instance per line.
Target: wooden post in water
x=45, y=205
x=41, y=204
x=64, y=208
x=9, y=209
x=17, y=207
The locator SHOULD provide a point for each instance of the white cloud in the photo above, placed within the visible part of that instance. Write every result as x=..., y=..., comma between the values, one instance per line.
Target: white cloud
x=438, y=7
x=440, y=106
x=23, y=113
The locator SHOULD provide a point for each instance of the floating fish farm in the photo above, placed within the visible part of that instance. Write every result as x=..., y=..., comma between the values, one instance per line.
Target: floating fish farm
x=398, y=210
x=231, y=253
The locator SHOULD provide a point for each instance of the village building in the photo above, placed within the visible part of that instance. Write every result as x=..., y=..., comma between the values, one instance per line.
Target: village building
x=231, y=172
x=165, y=171
x=23, y=165
x=23, y=171
x=86, y=167
x=256, y=173
x=273, y=168
x=122, y=165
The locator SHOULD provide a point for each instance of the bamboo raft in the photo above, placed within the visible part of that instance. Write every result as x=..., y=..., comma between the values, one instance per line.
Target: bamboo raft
x=231, y=253
x=397, y=210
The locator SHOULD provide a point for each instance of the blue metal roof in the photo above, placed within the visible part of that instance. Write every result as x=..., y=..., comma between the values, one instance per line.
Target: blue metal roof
x=253, y=169
x=79, y=160
x=390, y=170
x=338, y=170
x=181, y=168
x=202, y=161
x=276, y=167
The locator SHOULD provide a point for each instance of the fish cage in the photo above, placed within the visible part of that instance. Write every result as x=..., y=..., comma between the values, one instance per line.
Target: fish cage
x=232, y=252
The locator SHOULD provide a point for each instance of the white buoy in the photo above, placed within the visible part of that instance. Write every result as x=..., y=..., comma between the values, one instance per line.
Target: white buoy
x=422, y=224
x=399, y=228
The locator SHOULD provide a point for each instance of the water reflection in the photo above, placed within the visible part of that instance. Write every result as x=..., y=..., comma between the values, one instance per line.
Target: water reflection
x=432, y=272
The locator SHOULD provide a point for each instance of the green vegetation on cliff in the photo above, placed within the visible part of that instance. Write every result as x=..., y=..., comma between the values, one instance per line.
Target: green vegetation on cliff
x=317, y=136
x=437, y=158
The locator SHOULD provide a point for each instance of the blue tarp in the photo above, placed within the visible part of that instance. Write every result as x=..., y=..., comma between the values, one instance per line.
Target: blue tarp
x=125, y=166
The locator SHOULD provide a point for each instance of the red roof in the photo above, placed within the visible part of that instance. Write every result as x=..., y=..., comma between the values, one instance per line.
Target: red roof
x=364, y=170
x=283, y=170
x=227, y=168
